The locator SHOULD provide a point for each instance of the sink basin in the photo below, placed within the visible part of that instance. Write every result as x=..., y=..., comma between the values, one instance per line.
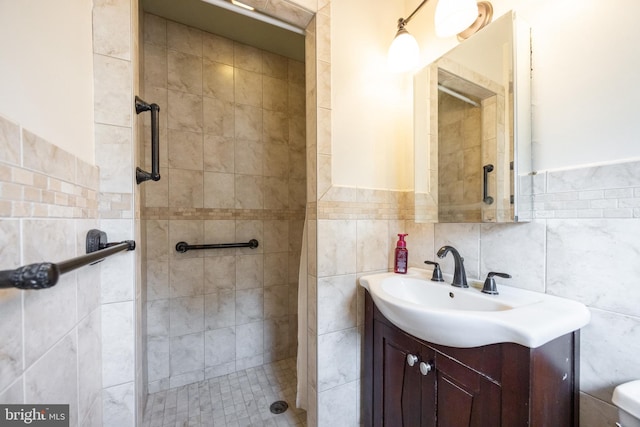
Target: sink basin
x=442, y=314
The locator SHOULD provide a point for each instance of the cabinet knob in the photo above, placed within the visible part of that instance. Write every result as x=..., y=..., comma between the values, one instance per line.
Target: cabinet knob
x=411, y=359
x=425, y=368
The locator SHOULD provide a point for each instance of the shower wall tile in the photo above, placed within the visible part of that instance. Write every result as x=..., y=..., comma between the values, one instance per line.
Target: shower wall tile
x=227, y=177
x=249, y=155
x=186, y=188
x=219, y=154
x=248, y=122
x=219, y=190
x=337, y=358
x=186, y=315
x=187, y=353
x=276, y=66
x=247, y=58
x=219, y=117
x=339, y=406
x=249, y=306
x=89, y=362
x=112, y=33
x=184, y=38
x=218, y=49
x=184, y=72
x=219, y=273
x=248, y=88
x=184, y=111
x=112, y=90
x=119, y=405
x=220, y=347
x=113, y=157
x=337, y=241
x=118, y=343
x=220, y=309
x=185, y=150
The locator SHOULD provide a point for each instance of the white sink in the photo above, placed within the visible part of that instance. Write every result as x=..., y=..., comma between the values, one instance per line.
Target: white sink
x=442, y=314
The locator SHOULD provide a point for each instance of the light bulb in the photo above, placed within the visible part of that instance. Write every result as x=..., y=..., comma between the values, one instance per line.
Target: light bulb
x=454, y=16
x=404, y=52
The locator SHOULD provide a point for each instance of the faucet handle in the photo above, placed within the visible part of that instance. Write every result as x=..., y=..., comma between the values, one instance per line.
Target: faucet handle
x=490, y=283
x=436, y=276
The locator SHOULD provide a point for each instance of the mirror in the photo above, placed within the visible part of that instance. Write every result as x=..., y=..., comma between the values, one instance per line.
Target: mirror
x=472, y=129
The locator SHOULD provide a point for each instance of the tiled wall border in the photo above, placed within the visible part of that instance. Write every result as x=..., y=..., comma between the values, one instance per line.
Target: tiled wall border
x=605, y=191
x=214, y=214
x=64, y=186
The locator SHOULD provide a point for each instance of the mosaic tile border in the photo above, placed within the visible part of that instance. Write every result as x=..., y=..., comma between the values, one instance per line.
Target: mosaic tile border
x=41, y=180
x=215, y=214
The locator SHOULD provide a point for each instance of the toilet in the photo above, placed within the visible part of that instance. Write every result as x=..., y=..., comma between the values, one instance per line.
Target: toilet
x=627, y=398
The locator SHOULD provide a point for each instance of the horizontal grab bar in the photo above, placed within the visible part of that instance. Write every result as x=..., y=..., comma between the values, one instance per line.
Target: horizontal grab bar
x=184, y=246
x=46, y=274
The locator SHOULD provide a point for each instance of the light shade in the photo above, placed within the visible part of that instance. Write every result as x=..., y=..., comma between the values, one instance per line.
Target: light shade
x=404, y=52
x=454, y=16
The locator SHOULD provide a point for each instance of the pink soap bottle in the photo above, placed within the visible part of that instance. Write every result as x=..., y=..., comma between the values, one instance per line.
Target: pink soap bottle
x=402, y=256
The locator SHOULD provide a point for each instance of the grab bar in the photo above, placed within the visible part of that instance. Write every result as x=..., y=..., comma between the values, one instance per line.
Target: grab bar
x=184, y=246
x=485, y=184
x=142, y=176
x=46, y=274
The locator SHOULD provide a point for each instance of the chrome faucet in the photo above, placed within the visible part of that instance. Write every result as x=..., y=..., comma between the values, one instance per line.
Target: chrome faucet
x=459, y=275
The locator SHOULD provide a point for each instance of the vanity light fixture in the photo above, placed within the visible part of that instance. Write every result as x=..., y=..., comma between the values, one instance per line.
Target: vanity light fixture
x=462, y=17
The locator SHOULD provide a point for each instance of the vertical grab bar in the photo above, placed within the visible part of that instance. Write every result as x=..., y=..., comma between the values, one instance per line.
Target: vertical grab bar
x=141, y=175
x=485, y=184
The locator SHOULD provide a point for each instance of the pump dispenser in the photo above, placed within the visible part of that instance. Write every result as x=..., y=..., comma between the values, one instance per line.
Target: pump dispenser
x=402, y=256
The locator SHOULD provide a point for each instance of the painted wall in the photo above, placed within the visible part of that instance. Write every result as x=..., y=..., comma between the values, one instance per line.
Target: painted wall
x=371, y=107
x=46, y=64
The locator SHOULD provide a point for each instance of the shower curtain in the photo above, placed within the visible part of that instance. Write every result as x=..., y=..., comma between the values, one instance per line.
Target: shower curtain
x=301, y=365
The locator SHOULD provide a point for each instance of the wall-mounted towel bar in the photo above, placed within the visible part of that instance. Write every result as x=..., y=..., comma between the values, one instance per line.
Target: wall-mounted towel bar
x=46, y=274
x=142, y=176
x=184, y=246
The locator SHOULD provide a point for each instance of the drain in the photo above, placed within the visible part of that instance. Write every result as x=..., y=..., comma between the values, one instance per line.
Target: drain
x=278, y=407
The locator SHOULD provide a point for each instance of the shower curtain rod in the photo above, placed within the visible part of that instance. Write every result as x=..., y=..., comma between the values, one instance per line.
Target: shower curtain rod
x=457, y=95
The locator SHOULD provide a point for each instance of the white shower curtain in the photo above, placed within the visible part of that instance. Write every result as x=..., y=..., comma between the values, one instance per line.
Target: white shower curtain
x=301, y=366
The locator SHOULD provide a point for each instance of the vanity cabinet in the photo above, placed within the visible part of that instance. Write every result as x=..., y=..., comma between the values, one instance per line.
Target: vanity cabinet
x=409, y=382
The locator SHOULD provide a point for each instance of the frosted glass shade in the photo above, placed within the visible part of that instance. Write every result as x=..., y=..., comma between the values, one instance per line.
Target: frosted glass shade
x=404, y=52
x=454, y=16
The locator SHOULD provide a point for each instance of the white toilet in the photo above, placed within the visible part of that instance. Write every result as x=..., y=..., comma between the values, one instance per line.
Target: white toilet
x=627, y=398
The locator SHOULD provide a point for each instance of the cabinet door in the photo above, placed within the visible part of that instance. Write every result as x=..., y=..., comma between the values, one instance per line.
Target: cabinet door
x=465, y=398
x=397, y=385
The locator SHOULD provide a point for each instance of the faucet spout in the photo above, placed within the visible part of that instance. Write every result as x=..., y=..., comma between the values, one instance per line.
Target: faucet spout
x=459, y=275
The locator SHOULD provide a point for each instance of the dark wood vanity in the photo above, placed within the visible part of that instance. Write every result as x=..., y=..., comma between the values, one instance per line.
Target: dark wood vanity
x=412, y=383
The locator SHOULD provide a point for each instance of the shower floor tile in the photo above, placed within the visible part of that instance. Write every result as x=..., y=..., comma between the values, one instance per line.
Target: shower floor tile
x=240, y=399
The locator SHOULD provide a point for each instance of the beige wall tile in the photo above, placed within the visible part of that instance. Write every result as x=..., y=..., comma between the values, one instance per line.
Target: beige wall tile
x=184, y=39
x=219, y=154
x=249, y=191
x=247, y=57
x=9, y=142
x=248, y=88
x=186, y=188
x=276, y=193
x=184, y=72
x=185, y=150
x=43, y=157
x=248, y=122
x=274, y=65
x=219, y=190
x=155, y=30
x=276, y=160
x=219, y=273
x=218, y=80
x=275, y=94
x=112, y=90
x=219, y=117
x=249, y=155
x=275, y=127
x=217, y=49
x=184, y=111
x=112, y=28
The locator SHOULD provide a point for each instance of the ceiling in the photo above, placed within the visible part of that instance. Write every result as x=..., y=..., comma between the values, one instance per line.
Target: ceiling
x=216, y=20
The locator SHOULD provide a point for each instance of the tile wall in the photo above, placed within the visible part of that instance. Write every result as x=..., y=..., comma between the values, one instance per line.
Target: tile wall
x=115, y=68
x=233, y=166
x=51, y=340
x=582, y=245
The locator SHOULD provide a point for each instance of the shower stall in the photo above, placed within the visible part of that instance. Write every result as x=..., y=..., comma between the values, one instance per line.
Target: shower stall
x=233, y=169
